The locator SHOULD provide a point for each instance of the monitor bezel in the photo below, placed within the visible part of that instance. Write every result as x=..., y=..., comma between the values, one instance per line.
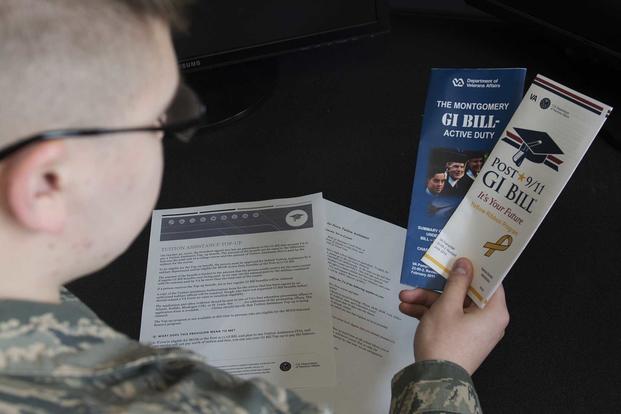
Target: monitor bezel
x=344, y=34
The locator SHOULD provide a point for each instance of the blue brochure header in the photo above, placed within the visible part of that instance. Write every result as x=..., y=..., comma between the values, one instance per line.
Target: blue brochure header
x=465, y=113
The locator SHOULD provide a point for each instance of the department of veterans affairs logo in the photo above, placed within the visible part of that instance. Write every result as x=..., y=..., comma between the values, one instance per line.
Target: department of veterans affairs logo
x=285, y=366
x=458, y=82
x=536, y=146
x=544, y=103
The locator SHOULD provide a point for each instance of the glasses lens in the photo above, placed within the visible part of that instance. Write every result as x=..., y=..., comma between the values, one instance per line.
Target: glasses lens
x=184, y=114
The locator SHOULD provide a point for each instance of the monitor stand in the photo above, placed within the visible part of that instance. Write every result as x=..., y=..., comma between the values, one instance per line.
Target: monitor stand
x=233, y=91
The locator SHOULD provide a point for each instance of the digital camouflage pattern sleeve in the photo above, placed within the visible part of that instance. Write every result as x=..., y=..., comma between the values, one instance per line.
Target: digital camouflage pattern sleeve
x=434, y=387
x=61, y=358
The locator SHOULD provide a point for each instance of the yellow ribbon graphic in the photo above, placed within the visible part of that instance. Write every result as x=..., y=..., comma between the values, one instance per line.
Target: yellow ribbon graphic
x=498, y=246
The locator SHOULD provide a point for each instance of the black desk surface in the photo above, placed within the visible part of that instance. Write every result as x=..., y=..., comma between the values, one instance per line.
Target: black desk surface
x=345, y=120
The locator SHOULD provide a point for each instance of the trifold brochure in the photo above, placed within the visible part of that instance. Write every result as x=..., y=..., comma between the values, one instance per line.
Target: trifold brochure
x=538, y=152
x=465, y=112
x=302, y=292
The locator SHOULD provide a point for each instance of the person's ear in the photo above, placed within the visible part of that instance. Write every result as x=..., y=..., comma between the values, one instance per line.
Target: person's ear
x=34, y=187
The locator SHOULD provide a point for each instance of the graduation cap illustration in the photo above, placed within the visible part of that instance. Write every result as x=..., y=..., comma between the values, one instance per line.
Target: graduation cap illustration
x=536, y=146
x=297, y=216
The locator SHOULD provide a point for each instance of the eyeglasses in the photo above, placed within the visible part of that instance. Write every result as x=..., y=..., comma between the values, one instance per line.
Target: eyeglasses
x=181, y=121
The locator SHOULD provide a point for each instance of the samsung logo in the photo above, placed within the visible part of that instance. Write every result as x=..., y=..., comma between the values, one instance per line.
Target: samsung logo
x=191, y=64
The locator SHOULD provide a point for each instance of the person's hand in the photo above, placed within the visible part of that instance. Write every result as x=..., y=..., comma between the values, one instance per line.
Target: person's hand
x=452, y=328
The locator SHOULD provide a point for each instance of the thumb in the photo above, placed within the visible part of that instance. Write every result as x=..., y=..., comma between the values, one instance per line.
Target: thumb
x=457, y=284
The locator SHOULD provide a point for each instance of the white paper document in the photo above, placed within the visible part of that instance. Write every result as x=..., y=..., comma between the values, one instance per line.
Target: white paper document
x=246, y=286
x=373, y=341
x=302, y=292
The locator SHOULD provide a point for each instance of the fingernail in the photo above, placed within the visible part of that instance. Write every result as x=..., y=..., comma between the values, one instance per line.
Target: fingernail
x=460, y=267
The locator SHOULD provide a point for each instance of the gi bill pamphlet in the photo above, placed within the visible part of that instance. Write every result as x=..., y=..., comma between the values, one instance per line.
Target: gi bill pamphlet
x=372, y=339
x=538, y=152
x=465, y=113
x=246, y=285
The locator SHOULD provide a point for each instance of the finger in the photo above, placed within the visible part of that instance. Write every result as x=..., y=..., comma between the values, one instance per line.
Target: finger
x=472, y=307
x=497, y=300
x=495, y=314
x=416, y=311
x=419, y=296
x=497, y=306
x=457, y=285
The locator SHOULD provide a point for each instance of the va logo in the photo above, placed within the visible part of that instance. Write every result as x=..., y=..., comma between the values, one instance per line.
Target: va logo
x=535, y=146
x=458, y=82
x=285, y=366
x=545, y=103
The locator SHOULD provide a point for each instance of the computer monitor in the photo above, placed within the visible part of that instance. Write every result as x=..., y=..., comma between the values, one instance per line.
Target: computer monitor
x=224, y=54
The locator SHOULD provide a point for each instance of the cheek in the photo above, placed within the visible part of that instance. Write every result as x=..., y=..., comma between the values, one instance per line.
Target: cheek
x=143, y=182
x=131, y=189
x=113, y=200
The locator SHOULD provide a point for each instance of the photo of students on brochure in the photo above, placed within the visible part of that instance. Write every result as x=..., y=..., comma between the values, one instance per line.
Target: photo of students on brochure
x=450, y=174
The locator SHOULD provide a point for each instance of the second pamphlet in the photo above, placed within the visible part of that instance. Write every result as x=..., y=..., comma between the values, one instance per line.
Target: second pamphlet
x=465, y=113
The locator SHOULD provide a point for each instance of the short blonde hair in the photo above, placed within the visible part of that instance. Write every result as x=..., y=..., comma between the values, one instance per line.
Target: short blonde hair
x=74, y=63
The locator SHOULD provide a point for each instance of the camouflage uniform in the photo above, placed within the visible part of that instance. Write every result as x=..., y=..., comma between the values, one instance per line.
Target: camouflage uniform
x=433, y=387
x=61, y=358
